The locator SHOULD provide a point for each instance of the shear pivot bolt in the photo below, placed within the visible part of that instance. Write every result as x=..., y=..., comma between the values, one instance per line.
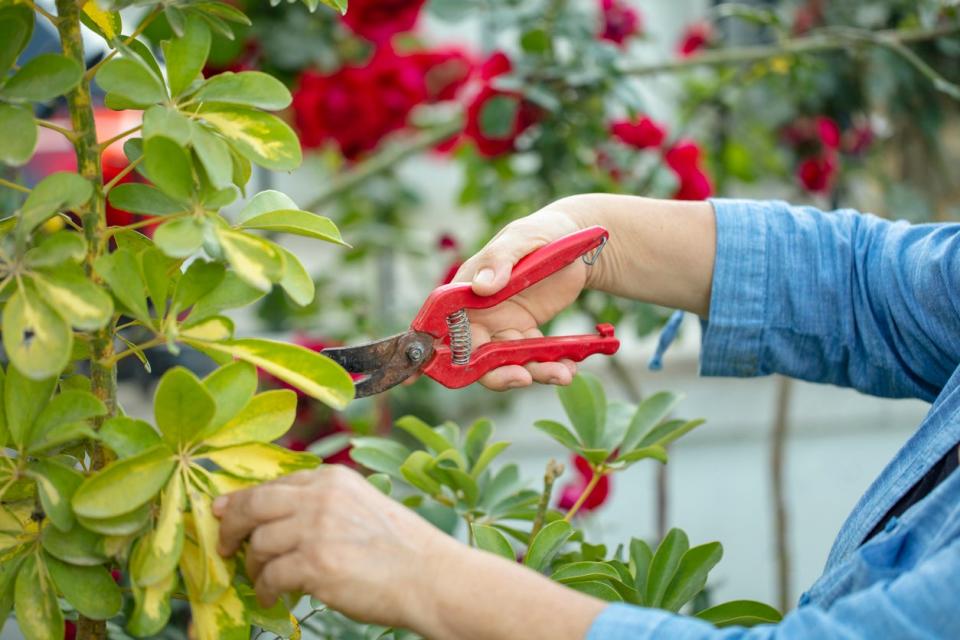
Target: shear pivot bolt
x=415, y=353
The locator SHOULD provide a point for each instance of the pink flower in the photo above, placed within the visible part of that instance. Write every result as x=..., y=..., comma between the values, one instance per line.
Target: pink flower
x=571, y=492
x=643, y=133
x=828, y=132
x=380, y=20
x=695, y=37
x=684, y=159
x=620, y=21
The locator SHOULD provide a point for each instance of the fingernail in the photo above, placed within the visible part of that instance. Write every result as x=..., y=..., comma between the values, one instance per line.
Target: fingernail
x=484, y=276
x=554, y=381
x=220, y=504
x=515, y=384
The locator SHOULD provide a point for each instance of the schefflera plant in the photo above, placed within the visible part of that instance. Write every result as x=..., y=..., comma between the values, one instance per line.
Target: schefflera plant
x=86, y=489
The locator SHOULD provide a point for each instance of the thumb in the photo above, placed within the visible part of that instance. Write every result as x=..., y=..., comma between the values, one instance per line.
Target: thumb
x=489, y=270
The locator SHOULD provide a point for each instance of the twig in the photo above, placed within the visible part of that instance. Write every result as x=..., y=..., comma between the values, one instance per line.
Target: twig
x=139, y=348
x=120, y=176
x=120, y=136
x=554, y=470
x=66, y=133
x=92, y=71
x=146, y=222
x=597, y=474
x=386, y=159
x=14, y=186
x=54, y=20
x=68, y=220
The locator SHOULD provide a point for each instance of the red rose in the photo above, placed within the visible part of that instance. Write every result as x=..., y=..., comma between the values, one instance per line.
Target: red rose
x=695, y=37
x=808, y=16
x=828, y=132
x=524, y=113
x=380, y=20
x=684, y=158
x=571, y=492
x=445, y=72
x=817, y=174
x=620, y=21
x=641, y=134
x=857, y=140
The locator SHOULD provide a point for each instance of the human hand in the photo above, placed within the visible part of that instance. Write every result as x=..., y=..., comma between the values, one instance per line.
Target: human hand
x=521, y=316
x=331, y=534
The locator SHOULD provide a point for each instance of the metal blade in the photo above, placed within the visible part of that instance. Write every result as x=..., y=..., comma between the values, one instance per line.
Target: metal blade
x=384, y=363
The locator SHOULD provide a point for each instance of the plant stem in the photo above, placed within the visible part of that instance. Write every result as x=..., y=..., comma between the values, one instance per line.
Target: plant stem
x=54, y=20
x=597, y=474
x=103, y=379
x=123, y=174
x=46, y=124
x=14, y=186
x=554, y=470
x=781, y=514
x=120, y=136
x=137, y=348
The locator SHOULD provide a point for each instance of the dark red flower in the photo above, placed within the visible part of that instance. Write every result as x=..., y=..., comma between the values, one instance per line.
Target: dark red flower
x=445, y=72
x=357, y=106
x=447, y=241
x=828, y=132
x=684, y=158
x=857, y=140
x=620, y=21
x=641, y=134
x=523, y=113
x=69, y=630
x=808, y=16
x=817, y=173
x=695, y=37
x=380, y=20
x=571, y=492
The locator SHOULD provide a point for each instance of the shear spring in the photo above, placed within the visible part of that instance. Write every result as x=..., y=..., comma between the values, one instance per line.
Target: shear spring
x=461, y=340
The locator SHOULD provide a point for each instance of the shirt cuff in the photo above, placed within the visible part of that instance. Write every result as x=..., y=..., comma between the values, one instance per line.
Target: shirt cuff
x=733, y=333
x=626, y=622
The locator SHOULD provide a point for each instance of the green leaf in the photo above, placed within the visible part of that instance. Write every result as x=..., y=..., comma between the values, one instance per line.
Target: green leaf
x=91, y=590
x=247, y=88
x=182, y=407
x=584, y=571
x=300, y=223
x=164, y=121
x=313, y=373
x=559, y=433
x=255, y=260
x=106, y=24
x=648, y=415
x=691, y=576
x=213, y=329
x=232, y=387
x=232, y=293
x=655, y=451
x=124, y=485
x=415, y=470
x=179, y=238
x=382, y=482
x=43, y=78
x=429, y=437
x=214, y=156
x=169, y=167
x=55, y=249
x=261, y=461
x=157, y=554
x=143, y=198
x=37, y=339
x=56, y=485
x=199, y=279
x=487, y=456
x=547, y=544
x=490, y=539
x=265, y=202
x=38, y=612
x=24, y=399
x=476, y=439
x=77, y=298
x=260, y=137
x=160, y=273
x=664, y=566
x=61, y=435
x=379, y=454
x=16, y=28
x=295, y=280
x=132, y=80
x=597, y=589
x=8, y=572
x=667, y=432
x=151, y=609
x=56, y=192
x=121, y=271
x=67, y=406
x=268, y=416
x=125, y=524
x=586, y=406
x=223, y=619
x=128, y=437
x=4, y=428
x=740, y=613
x=640, y=558
x=19, y=133
x=78, y=546
x=498, y=116
x=187, y=55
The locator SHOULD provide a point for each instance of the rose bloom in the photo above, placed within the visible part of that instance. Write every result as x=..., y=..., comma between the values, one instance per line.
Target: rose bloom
x=643, y=133
x=817, y=174
x=684, y=158
x=620, y=21
x=380, y=20
x=571, y=492
x=525, y=115
x=445, y=72
x=695, y=37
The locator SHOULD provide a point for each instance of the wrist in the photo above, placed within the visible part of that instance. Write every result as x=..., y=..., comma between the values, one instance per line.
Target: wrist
x=587, y=210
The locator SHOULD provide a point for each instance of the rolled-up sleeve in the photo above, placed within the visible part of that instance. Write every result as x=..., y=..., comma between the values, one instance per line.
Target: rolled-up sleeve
x=842, y=298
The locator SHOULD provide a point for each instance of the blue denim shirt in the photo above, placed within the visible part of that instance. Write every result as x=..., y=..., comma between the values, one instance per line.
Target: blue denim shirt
x=856, y=301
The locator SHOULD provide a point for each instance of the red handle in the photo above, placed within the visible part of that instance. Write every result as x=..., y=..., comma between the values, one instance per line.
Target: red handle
x=528, y=271
x=507, y=352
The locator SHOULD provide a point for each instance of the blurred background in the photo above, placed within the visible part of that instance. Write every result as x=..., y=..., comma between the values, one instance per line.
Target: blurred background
x=428, y=124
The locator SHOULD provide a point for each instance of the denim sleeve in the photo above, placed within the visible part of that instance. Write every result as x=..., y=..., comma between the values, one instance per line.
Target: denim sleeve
x=842, y=298
x=919, y=604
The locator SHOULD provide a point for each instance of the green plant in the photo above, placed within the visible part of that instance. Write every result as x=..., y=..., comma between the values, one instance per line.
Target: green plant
x=85, y=488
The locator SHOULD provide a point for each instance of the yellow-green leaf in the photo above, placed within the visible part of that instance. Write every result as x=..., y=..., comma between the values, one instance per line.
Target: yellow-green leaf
x=157, y=554
x=261, y=137
x=254, y=259
x=85, y=305
x=107, y=24
x=209, y=329
x=79, y=546
x=261, y=461
x=56, y=485
x=125, y=524
x=38, y=612
x=125, y=485
x=56, y=192
x=300, y=223
x=295, y=280
x=215, y=573
x=182, y=407
x=232, y=387
x=179, y=238
x=223, y=619
x=265, y=418
x=127, y=437
x=37, y=339
x=151, y=609
x=57, y=248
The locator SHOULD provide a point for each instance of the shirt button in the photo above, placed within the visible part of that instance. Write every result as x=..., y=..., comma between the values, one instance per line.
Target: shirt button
x=891, y=524
x=804, y=599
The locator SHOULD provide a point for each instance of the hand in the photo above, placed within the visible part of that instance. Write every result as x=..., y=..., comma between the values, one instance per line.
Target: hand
x=330, y=533
x=521, y=316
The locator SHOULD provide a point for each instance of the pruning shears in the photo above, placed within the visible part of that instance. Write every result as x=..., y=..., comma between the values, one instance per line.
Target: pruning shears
x=439, y=341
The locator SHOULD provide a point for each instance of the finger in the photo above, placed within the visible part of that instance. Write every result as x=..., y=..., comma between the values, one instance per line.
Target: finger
x=489, y=270
x=241, y=512
x=546, y=372
x=275, y=538
x=509, y=377
x=280, y=575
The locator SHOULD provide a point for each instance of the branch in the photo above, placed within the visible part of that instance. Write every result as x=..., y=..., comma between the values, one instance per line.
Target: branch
x=107, y=188
x=386, y=159
x=597, y=474
x=14, y=186
x=66, y=133
x=554, y=470
x=120, y=136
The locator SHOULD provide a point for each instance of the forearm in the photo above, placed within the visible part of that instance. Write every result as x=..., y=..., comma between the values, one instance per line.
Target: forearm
x=473, y=595
x=660, y=251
